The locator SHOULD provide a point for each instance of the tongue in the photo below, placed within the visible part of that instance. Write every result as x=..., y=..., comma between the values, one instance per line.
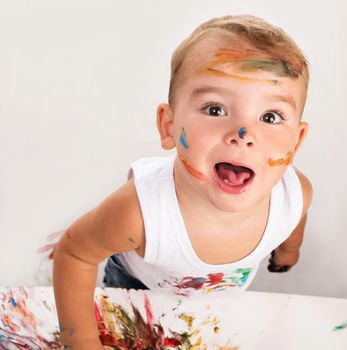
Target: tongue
x=235, y=175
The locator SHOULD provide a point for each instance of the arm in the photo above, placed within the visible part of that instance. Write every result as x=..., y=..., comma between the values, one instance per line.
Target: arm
x=114, y=226
x=287, y=254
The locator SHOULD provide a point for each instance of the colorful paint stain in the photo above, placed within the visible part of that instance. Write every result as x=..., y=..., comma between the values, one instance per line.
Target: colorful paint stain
x=183, y=138
x=192, y=170
x=211, y=283
x=242, y=133
x=247, y=60
x=282, y=161
x=31, y=323
x=134, y=331
x=222, y=74
x=251, y=60
x=20, y=327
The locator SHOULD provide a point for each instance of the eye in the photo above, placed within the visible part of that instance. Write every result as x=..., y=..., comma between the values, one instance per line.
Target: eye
x=271, y=117
x=214, y=111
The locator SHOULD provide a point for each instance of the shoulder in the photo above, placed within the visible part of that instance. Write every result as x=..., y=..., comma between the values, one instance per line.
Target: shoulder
x=307, y=190
x=114, y=226
x=120, y=218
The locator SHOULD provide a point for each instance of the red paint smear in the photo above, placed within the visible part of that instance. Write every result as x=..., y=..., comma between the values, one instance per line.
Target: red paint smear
x=149, y=314
x=99, y=320
x=215, y=278
x=143, y=335
x=192, y=282
x=198, y=282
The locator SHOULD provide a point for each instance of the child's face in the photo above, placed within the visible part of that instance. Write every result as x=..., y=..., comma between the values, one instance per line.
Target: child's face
x=235, y=131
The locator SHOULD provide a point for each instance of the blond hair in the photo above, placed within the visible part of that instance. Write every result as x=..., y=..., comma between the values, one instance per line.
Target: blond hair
x=244, y=31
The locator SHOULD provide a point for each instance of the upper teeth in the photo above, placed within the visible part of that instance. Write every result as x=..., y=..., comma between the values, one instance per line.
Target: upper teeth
x=226, y=180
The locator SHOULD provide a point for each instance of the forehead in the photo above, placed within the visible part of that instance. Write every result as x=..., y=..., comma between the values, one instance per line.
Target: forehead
x=214, y=50
x=216, y=60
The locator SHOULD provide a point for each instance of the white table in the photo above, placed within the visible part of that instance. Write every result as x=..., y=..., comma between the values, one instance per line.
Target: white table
x=251, y=321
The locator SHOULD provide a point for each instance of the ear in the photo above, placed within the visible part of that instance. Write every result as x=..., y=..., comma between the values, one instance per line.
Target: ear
x=303, y=129
x=165, y=126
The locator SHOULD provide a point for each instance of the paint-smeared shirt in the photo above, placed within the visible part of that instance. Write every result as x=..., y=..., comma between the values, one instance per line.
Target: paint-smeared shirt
x=170, y=262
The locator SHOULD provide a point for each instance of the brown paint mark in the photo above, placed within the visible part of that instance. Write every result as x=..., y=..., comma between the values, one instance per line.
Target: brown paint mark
x=131, y=240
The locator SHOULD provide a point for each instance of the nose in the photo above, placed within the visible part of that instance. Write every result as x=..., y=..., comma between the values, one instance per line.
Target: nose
x=241, y=136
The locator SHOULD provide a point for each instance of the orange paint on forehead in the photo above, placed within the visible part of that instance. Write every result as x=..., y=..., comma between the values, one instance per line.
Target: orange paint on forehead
x=219, y=73
x=281, y=161
x=192, y=170
x=236, y=54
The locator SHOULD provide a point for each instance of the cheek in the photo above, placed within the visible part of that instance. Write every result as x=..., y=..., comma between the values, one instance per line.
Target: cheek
x=280, y=149
x=280, y=140
x=193, y=138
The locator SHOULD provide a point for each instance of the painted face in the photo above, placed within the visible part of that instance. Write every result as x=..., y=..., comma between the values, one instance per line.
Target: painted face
x=241, y=119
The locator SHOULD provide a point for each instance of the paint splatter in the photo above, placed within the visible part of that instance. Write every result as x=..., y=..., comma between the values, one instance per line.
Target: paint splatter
x=282, y=161
x=279, y=68
x=20, y=327
x=222, y=74
x=212, y=282
x=251, y=60
x=29, y=324
x=133, y=331
x=340, y=326
x=43, y=275
x=242, y=132
x=245, y=60
x=191, y=169
x=183, y=139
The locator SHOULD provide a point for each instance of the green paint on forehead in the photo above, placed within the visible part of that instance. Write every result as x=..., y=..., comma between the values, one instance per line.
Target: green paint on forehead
x=276, y=67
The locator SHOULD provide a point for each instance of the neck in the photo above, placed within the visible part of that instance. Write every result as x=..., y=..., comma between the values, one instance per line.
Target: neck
x=195, y=206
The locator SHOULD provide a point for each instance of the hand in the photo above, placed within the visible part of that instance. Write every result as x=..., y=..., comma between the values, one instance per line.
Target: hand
x=282, y=260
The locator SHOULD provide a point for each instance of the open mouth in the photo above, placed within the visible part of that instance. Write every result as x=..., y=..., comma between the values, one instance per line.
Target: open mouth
x=233, y=178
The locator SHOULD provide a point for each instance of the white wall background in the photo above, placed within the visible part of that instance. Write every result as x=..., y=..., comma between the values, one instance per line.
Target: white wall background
x=79, y=85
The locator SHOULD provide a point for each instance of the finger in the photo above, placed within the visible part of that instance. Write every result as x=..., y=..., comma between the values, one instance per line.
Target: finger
x=276, y=268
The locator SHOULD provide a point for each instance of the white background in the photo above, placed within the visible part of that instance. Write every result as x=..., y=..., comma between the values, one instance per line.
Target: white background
x=79, y=86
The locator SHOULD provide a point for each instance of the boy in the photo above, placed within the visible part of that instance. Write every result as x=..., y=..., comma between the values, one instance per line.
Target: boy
x=202, y=219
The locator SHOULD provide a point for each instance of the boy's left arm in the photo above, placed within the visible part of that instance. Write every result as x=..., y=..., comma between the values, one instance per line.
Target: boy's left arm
x=287, y=254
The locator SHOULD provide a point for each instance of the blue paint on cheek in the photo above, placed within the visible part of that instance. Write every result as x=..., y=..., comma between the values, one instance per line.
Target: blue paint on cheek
x=183, y=139
x=242, y=132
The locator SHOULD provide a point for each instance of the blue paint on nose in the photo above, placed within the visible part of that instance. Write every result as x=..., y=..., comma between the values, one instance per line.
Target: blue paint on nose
x=242, y=132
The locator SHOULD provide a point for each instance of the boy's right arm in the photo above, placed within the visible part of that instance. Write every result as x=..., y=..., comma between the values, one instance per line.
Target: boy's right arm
x=114, y=226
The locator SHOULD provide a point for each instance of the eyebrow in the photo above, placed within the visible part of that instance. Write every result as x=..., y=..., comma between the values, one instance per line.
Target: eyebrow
x=208, y=89
x=211, y=89
x=285, y=98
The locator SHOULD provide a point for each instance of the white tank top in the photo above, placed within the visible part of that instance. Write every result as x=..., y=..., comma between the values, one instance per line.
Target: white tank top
x=170, y=262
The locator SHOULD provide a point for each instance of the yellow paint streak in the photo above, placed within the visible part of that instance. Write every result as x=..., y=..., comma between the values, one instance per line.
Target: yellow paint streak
x=228, y=347
x=188, y=319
